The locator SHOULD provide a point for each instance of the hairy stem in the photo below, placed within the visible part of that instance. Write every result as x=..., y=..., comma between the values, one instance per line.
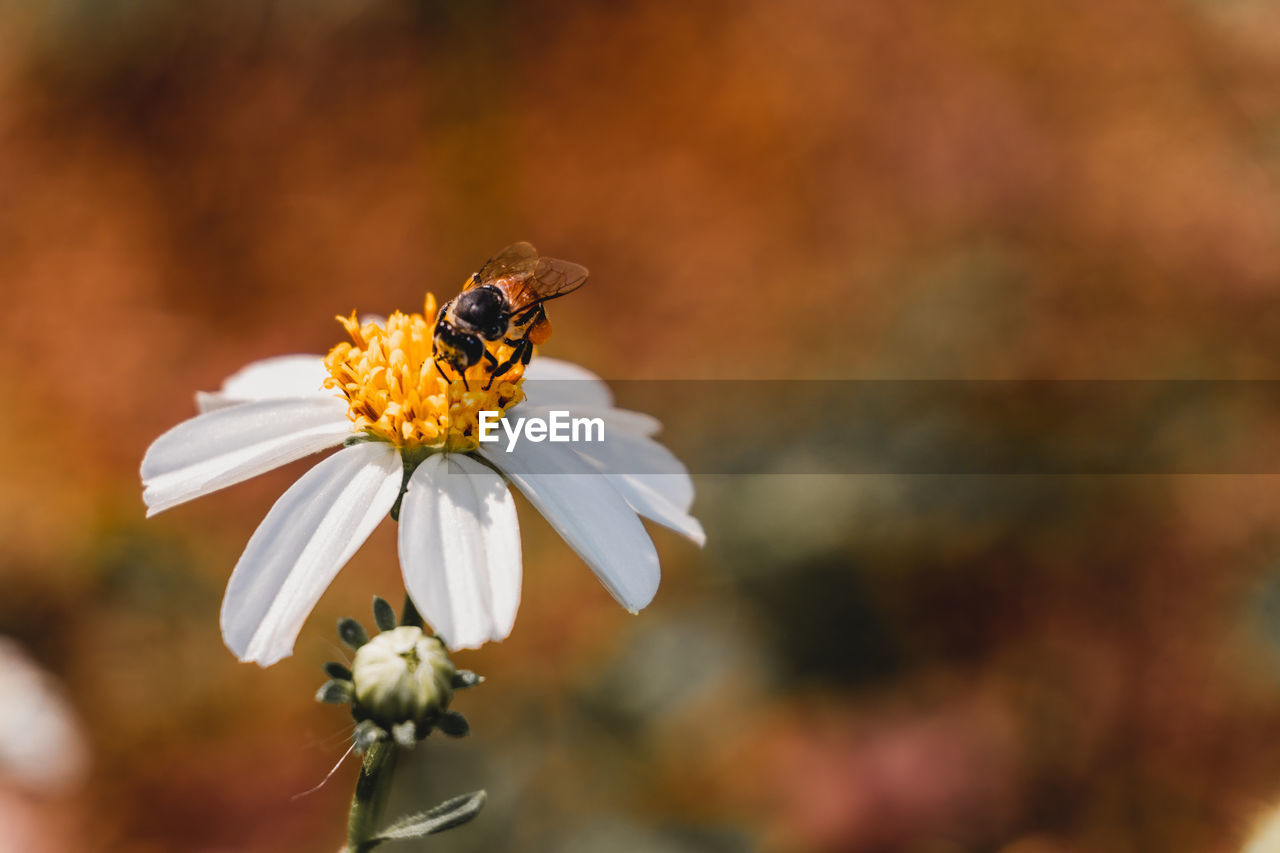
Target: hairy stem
x=370, y=797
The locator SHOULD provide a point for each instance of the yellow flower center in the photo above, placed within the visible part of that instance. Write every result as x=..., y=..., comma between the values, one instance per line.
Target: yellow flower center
x=396, y=392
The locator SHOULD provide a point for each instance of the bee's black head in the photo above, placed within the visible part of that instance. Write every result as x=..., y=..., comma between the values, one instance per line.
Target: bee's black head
x=458, y=348
x=471, y=349
x=484, y=310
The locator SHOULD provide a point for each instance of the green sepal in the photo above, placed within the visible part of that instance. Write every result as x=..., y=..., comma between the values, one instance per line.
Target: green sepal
x=453, y=724
x=338, y=671
x=447, y=815
x=367, y=734
x=465, y=678
x=352, y=632
x=409, y=614
x=336, y=692
x=405, y=734
x=383, y=615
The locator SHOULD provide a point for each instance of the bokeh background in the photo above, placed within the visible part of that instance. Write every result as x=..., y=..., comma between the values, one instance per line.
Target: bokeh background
x=816, y=189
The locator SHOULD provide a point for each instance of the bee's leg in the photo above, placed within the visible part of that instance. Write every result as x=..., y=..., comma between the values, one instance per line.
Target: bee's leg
x=523, y=349
x=529, y=315
x=461, y=375
x=494, y=368
x=500, y=370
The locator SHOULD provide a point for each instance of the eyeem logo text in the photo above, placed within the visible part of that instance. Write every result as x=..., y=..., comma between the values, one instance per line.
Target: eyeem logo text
x=558, y=427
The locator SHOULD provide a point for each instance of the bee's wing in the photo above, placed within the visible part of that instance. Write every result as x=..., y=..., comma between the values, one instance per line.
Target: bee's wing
x=518, y=259
x=553, y=277
x=540, y=278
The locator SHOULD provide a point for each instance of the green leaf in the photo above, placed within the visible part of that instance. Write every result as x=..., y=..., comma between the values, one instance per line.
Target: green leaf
x=454, y=724
x=383, y=614
x=465, y=678
x=352, y=632
x=335, y=692
x=447, y=815
x=337, y=671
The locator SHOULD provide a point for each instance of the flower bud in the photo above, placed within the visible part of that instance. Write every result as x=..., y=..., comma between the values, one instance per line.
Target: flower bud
x=402, y=675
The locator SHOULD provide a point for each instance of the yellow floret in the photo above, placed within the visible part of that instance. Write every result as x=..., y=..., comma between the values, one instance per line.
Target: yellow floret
x=396, y=392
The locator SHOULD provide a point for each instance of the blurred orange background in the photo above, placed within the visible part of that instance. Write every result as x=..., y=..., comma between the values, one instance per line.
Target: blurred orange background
x=818, y=189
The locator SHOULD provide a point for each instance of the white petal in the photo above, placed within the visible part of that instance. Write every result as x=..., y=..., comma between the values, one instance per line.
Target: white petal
x=216, y=449
x=584, y=508
x=637, y=423
x=270, y=379
x=638, y=458
x=676, y=489
x=552, y=382
x=460, y=550
x=650, y=503
x=310, y=533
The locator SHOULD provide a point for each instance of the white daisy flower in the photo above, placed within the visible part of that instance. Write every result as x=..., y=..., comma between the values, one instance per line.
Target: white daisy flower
x=409, y=442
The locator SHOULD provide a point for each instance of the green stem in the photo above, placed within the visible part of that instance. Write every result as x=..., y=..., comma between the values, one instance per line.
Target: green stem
x=374, y=783
x=370, y=797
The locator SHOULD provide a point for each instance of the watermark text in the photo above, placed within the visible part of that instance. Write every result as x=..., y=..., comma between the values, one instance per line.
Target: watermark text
x=557, y=426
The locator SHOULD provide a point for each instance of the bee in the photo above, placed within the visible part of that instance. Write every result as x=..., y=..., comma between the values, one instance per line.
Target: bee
x=503, y=301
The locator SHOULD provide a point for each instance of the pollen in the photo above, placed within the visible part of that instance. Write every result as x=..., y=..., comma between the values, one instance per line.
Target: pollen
x=396, y=391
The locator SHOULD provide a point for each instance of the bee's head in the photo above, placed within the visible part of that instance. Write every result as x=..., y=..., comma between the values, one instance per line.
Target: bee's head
x=458, y=348
x=483, y=310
